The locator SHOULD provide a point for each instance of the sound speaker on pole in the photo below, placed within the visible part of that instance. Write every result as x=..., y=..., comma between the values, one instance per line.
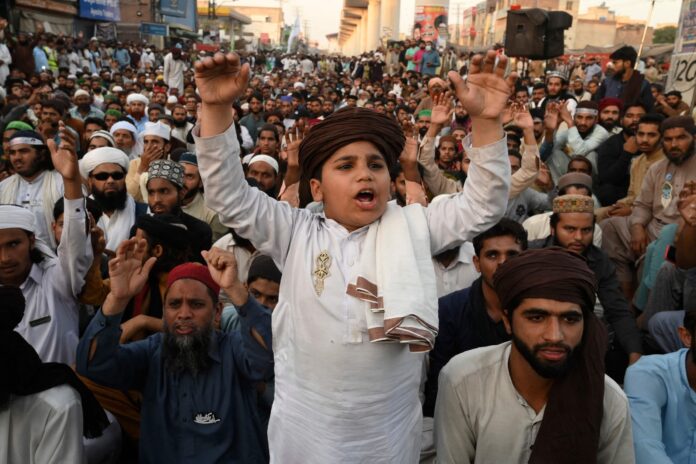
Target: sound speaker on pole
x=535, y=33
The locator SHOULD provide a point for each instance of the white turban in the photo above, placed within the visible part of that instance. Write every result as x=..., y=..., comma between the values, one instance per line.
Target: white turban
x=105, y=135
x=172, y=99
x=158, y=129
x=266, y=159
x=81, y=93
x=102, y=155
x=123, y=125
x=16, y=217
x=137, y=97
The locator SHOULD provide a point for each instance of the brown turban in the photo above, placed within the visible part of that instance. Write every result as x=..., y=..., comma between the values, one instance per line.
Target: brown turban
x=569, y=432
x=687, y=122
x=344, y=127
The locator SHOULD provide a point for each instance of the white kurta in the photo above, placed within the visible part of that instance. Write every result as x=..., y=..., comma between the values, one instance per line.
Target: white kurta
x=339, y=398
x=30, y=195
x=481, y=418
x=51, y=318
x=43, y=427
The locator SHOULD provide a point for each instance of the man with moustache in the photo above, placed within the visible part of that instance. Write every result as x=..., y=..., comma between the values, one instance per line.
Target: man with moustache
x=180, y=122
x=193, y=202
x=165, y=193
x=615, y=156
x=105, y=171
x=649, y=141
x=136, y=104
x=626, y=238
x=582, y=137
x=626, y=83
x=35, y=185
x=543, y=397
x=609, y=114
x=557, y=90
x=186, y=415
x=572, y=228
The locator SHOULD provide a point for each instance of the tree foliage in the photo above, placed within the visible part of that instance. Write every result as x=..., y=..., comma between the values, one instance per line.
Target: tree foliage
x=665, y=35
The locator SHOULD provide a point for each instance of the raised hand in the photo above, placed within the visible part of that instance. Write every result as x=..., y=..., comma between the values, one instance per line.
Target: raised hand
x=221, y=79
x=223, y=267
x=687, y=203
x=442, y=109
x=486, y=92
x=551, y=116
x=129, y=270
x=64, y=155
x=521, y=117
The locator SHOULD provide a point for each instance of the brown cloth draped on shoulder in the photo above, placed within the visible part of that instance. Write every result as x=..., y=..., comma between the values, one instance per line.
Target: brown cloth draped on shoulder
x=344, y=127
x=569, y=432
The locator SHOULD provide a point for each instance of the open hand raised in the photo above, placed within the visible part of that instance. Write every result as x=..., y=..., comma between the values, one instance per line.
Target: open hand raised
x=485, y=92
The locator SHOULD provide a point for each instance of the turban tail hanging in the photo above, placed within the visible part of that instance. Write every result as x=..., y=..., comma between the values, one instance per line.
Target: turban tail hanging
x=569, y=432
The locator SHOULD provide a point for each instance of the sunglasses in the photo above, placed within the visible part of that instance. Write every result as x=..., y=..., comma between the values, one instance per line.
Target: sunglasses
x=105, y=175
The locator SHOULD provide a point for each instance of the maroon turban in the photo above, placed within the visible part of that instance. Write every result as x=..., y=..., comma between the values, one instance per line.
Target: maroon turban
x=193, y=271
x=610, y=101
x=569, y=432
x=344, y=127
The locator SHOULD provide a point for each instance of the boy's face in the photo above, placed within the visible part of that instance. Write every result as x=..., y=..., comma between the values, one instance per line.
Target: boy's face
x=354, y=185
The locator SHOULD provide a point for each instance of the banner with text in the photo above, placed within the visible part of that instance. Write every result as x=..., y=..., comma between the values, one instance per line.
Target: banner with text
x=174, y=7
x=100, y=10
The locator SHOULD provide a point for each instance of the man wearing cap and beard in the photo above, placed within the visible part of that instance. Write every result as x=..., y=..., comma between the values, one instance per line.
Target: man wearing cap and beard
x=83, y=108
x=165, y=191
x=125, y=136
x=50, y=284
x=609, y=114
x=136, y=104
x=615, y=156
x=155, y=141
x=264, y=170
x=105, y=170
x=193, y=202
x=626, y=238
x=35, y=185
x=582, y=137
x=100, y=139
x=572, y=226
x=189, y=361
x=543, y=397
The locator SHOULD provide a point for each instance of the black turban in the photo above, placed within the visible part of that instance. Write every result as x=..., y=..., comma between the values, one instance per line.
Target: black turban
x=24, y=374
x=570, y=430
x=344, y=127
x=165, y=228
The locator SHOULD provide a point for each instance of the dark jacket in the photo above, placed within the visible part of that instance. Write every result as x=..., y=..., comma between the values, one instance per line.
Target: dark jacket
x=201, y=235
x=635, y=90
x=613, y=170
x=616, y=309
x=464, y=325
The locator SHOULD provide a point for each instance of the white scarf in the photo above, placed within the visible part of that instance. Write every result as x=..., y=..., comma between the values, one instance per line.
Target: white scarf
x=396, y=279
x=50, y=195
x=117, y=227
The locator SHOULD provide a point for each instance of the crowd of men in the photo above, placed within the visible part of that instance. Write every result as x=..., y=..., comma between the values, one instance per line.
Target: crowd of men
x=492, y=264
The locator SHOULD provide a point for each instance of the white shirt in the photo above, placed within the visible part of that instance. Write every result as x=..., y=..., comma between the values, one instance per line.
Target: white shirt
x=338, y=397
x=30, y=195
x=460, y=273
x=50, y=322
x=43, y=428
x=481, y=418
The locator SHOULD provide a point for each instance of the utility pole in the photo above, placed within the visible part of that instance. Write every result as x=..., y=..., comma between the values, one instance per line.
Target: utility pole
x=645, y=31
x=306, y=31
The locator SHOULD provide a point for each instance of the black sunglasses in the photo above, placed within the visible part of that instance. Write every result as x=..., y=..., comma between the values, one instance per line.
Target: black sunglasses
x=105, y=175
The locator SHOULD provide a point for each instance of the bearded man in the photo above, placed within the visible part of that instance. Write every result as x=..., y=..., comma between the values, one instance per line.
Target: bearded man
x=193, y=202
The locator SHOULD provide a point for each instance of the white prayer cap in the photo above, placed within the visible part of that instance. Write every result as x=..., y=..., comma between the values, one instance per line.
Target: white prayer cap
x=123, y=125
x=172, y=99
x=298, y=85
x=105, y=135
x=81, y=93
x=72, y=77
x=266, y=159
x=117, y=89
x=137, y=97
x=16, y=217
x=158, y=129
x=102, y=155
x=247, y=158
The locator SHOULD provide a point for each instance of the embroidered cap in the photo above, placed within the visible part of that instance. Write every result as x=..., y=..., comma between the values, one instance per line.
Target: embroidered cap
x=573, y=204
x=168, y=170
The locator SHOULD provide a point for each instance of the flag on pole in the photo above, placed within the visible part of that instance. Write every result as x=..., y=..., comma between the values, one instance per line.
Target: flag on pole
x=294, y=33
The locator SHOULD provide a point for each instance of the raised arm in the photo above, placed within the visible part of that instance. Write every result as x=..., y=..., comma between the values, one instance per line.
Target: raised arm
x=529, y=170
x=221, y=79
x=74, y=251
x=484, y=198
